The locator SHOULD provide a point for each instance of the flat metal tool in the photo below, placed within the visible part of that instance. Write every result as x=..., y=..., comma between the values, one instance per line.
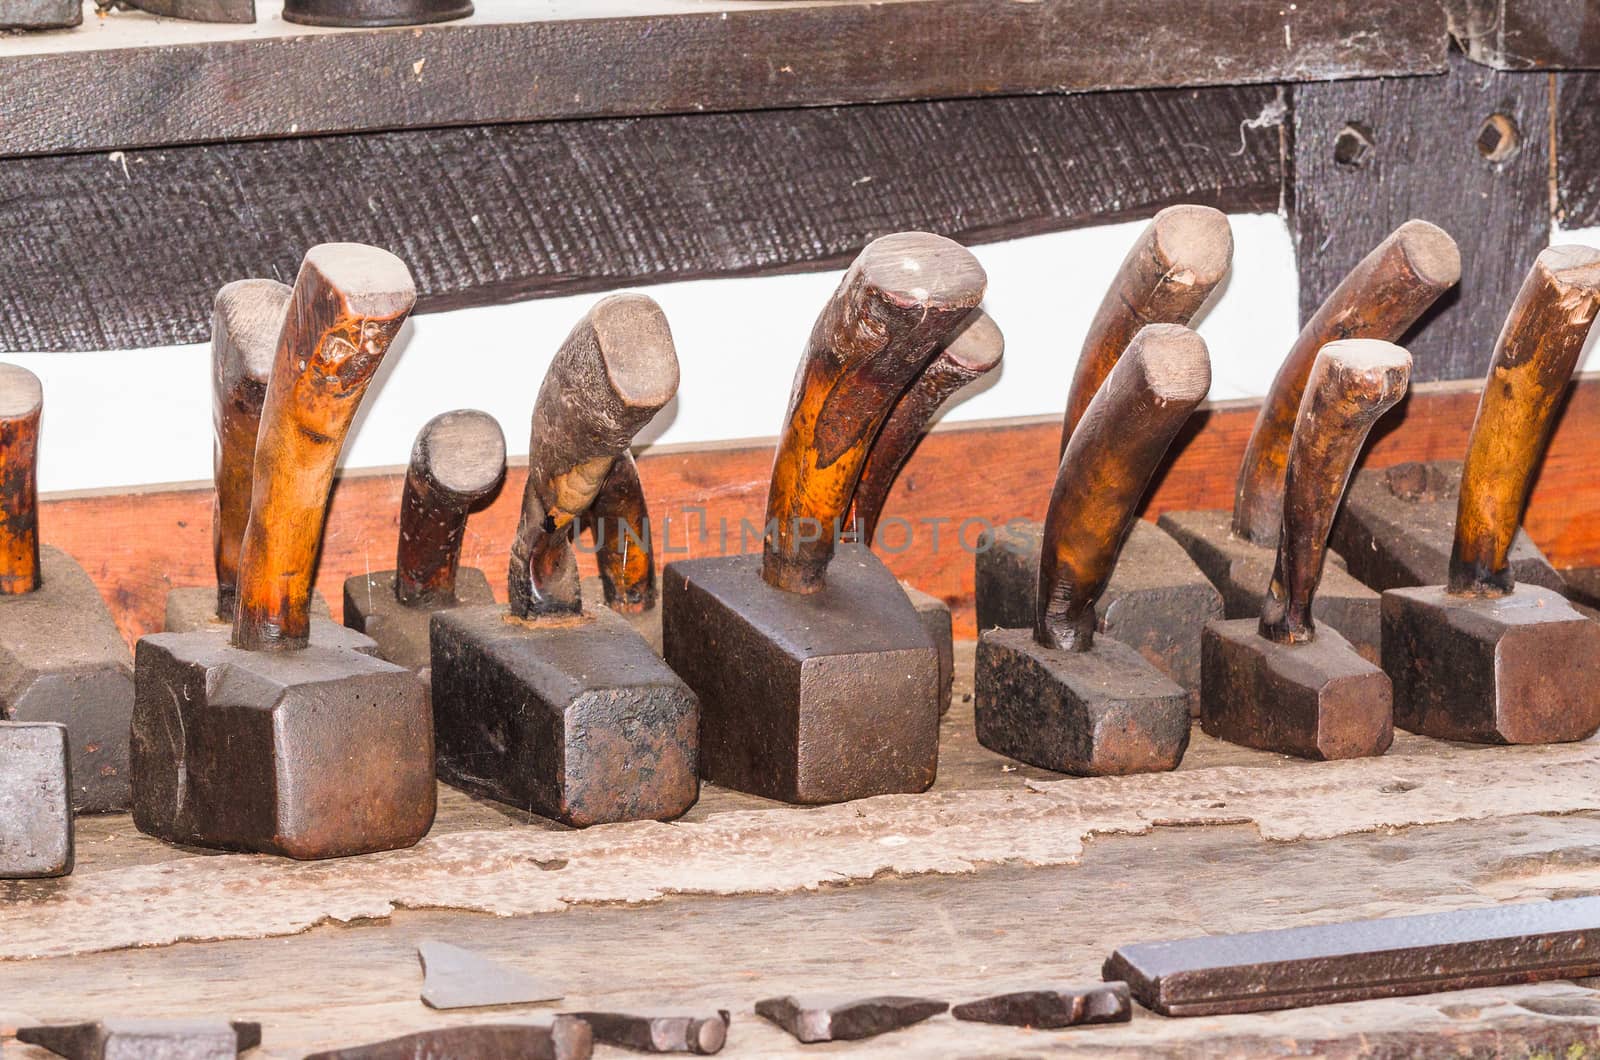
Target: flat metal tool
x=120, y=1039
x=456, y=978
x=701, y=1035
x=1070, y=1006
x=564, y=1038
x=850, y=1020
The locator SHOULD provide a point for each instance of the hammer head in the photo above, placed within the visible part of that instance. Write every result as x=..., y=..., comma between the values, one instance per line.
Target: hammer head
x=1316, y=699
x=401, y=630
x=192, y=607
x=123, y=1039
x=1519, y=668
x=1397, y=526
x=576, y=720
x=315, y=753
x=35, y=811
x=1157, y=599
x=62, y=660
x=805, y=697
x=1101, y=712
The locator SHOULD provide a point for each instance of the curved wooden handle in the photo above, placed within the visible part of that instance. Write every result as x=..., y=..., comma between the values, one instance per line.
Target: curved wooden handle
x=245, y=321
x=615, y=371
x=348, y=304
x=972, y=352
x=1172, y=269
x=457, y=460
x=21, y=403
x=1378, y=299
x=1114, y=452
x=1533, y=361
x=900, y=298
x=620, y=523
x=1350, y=385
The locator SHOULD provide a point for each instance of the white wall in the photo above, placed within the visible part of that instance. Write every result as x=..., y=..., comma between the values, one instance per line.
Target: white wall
x=120, y=419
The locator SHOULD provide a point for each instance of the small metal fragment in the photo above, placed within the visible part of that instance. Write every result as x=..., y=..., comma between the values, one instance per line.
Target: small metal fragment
x=458, y=978
x=1396, y=957
x=565, y=1038
x=1048, y=1009
x=849, y=1021
x=702, y=1035
x=145, y=1039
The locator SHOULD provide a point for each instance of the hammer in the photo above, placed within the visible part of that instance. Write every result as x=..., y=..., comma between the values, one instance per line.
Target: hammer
x=61, y=657
x=1278, y=682
x=817, y=681
x=1157, y=600
x=565, y=712
x=619, y=523
x=456, y=462
x=271, y=740
x=1054, y=695
x=971, y=353
x=1378, y=299
x=245, y=320
x=1483, y=658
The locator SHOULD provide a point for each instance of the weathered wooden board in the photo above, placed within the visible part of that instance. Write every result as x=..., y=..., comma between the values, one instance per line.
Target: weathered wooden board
x=563, y=61
x=137, y=546
x=1368, y=155
x=109, y=253
x=1577, y=137
x=1527, y=34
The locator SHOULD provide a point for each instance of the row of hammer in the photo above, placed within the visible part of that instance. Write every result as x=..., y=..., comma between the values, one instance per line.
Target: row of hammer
x=804, y=672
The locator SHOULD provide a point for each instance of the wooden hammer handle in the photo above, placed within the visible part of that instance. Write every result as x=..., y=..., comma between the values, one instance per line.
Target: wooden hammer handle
x=245, y=321
x=1534, y=357
x=457, y=460
x=615, y=371
x=903, y=295
x=1352, y=383
x=348, y=304
x=971, y=353
x=1172, y=269
x=619, y=519
x=1114, y=452
x=1378, y=299
x=21, y=403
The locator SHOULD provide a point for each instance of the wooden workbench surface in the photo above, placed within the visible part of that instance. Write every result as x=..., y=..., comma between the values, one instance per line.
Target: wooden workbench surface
x=1002, y=877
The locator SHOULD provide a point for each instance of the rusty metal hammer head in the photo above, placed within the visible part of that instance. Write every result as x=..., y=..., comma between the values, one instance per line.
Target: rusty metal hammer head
x=1482, y=658
x=61, y=657
x=817, y=683
x=271, y=741
x=1278, y=683
x=457, y=461
x=563, y=712
x=124, y=1039
x=1054, y=696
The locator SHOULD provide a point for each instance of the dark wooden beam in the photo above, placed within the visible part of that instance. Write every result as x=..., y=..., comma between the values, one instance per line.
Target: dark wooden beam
x=1577, y=118
x=1469, y=151
x=1527, y=34
x=282, y=82
x=108, y=253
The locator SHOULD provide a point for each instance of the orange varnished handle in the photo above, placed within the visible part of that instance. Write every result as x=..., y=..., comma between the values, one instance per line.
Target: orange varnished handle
x=1351, y=384
x=899, y=300
x=1534, y=357
x=348, y=304
x=1378, y=299
x=615, y=371
x=971, y=353
x=245, y=321
x=21, y=403
x=1114, y=452
x=456, y=462
x=619, y=519
x=1172, y=269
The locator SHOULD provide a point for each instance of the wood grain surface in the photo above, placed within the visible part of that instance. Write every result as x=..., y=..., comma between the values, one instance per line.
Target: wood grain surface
x=501, y=213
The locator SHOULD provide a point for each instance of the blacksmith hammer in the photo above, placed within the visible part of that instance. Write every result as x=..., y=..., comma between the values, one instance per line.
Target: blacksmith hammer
x=561, y=711
x=1279, y=683
x=374, y=13
x=817, y=681
x=1481, y=657
x=245, y=321
x=1378, y=299
x=456, y=462
x=269, y=740
x=61, y=657
x=973, y=352
x=1055, y=695
x=1157, y=601
x=619, y=524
